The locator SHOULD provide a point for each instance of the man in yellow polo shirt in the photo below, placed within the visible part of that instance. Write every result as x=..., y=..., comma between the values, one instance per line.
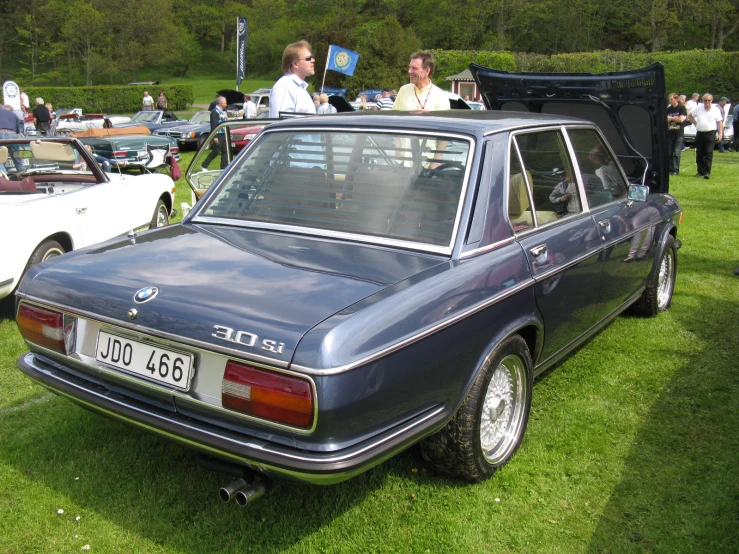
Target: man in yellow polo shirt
x=421, y=94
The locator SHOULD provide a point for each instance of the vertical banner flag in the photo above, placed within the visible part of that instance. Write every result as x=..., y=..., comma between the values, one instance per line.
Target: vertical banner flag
x=342, y=60
x=242, y=27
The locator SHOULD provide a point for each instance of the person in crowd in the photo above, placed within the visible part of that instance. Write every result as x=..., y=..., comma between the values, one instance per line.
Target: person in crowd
x=289, y=94
x=106, y=163
x=682, y=99
x=565, y=198
x=325, y=107
x=421, y=94
x=676, y=116
x=161, y=101
x=317, y=100
x=725, y=107
x=41, y=117
x=693, y=103
x=25, y=102
x=709, y=125
x=735, y=125
x=218, y=144
x=147, y=102
x=250, y=108
x=10, y=126
x=385, y=102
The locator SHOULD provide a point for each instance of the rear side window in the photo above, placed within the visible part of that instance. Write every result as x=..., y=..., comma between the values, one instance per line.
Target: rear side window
x=601, y=176
x=545, y=170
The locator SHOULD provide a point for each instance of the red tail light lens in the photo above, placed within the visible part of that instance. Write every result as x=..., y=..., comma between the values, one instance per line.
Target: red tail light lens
x=45, y=327
x=120, y=154
x=273, y=396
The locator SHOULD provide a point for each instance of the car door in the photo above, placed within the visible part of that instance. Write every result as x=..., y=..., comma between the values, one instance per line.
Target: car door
x=626, y=229
x=101, y=209
x=562, y=245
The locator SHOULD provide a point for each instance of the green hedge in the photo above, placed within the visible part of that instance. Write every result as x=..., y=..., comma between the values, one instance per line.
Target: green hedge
x=713, y=71
x=111, y=99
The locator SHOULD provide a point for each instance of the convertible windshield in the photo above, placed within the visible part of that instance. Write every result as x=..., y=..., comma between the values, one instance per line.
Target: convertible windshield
x=39, y=156
x=397, y=186
x=145, y=117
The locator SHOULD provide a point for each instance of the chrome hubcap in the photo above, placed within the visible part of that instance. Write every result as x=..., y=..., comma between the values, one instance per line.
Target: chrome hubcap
x=53, y=253
x=664, y=280
x=502, y=409
x=162, y=217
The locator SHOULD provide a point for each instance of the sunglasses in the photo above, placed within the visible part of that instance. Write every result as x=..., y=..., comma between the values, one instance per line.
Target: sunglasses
x=309, y=59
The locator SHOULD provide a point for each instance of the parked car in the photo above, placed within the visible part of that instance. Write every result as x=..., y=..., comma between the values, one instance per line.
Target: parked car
x=192, y=132
x=475, y=105
x=242, y=136
x=728, y=138
x=235, y=101
x=153, y=120
x=74, y=121
x=359, y=283
x=126, y=144
x=54, y=199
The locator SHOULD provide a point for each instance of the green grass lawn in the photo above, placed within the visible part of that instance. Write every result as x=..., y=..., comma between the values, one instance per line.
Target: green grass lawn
x=632, y=446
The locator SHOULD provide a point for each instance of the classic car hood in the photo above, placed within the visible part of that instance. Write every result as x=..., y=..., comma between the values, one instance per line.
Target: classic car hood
x=628, y=106
x=275, y=286
x=185, y=128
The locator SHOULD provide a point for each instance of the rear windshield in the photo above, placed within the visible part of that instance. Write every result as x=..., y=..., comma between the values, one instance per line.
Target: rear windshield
x=397, y=186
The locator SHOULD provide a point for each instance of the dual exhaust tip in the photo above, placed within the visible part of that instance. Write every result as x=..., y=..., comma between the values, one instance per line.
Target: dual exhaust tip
x=243, y=492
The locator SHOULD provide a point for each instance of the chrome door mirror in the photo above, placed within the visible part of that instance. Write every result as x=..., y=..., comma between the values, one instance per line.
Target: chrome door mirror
x=638, y=193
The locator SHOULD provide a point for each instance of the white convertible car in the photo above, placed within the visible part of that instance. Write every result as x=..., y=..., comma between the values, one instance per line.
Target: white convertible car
x=54, y=197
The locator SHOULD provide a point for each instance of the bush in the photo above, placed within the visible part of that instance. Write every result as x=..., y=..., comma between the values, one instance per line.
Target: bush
x=111, y=99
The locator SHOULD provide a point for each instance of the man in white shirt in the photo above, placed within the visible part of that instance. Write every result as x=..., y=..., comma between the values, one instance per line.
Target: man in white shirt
x=250, y=108
x=725, y=107
x=421, y=94
x=693, y=103
x=709, y=124
x=289, y=93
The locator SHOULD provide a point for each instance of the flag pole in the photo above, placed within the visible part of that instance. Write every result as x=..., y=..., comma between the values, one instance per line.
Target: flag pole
x=328, y=57
x=237, y=51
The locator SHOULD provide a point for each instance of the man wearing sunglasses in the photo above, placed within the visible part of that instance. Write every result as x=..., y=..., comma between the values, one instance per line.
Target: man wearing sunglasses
x=289, y=93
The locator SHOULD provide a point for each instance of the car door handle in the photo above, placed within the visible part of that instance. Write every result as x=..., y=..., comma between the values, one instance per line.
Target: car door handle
x=539, y=253
x=81, y=210
x=605, y=224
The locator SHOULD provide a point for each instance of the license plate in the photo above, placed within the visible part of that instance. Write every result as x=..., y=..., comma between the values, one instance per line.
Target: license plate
x=233, y=145
x=142, y=154
x=151, y=361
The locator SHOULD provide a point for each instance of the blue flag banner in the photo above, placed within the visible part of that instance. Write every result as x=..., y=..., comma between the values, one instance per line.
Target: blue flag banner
x=242, y=27
x=342, y=60
x=336, y=91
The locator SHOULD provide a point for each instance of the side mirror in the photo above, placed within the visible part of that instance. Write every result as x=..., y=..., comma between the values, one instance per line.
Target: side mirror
x=638, y=193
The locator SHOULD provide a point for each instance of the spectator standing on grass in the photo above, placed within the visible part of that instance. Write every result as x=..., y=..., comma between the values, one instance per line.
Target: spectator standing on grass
x=709, y=125
x=41, y=117
x=289, y=93
x=250, y=108
x=147, y=102
x=676, y=116
x=218, y=144
x=421, y=94
x=325, y=107
x=385, y=102
x=25, y=102
x=735, y=124
x=161, y=101
x=693, y=103
x=725, y=108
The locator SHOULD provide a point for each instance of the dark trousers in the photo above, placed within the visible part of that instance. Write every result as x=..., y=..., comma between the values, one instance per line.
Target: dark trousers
x=735, y=145
x=675, y=150
x=219, y=148
x=704, y=143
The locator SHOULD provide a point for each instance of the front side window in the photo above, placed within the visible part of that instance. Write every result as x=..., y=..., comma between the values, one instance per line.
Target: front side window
x=601, y=175
x=545, y=170
x=396, y=186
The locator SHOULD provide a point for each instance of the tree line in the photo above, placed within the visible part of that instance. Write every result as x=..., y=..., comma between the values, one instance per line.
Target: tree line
x=86, y=42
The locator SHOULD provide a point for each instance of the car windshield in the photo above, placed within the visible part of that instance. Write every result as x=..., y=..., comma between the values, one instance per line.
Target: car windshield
x=39, y=156
x=396, y=186
x=200, y=117
x=145, y=117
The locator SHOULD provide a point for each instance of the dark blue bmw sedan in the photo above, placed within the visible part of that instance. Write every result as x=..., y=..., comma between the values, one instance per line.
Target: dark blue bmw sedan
x=354, y=284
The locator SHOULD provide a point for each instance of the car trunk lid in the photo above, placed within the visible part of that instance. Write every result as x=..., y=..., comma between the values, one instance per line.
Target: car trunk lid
x=628, y=106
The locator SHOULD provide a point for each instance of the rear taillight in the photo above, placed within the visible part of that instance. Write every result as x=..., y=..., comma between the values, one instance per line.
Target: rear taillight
x=46, y=328
x=274, y=396
x=120, y=154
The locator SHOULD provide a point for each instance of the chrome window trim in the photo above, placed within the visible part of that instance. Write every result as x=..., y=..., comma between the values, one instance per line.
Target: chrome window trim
x=317, y=231
x=142, y=335
x=483, y=249
x=418, y=336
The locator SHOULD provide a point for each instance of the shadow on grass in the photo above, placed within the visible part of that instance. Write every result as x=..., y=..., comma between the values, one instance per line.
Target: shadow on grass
x=680, y=481
x=154, y=489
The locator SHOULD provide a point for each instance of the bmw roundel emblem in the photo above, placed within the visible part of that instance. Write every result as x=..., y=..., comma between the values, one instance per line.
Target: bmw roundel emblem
x=145, y=294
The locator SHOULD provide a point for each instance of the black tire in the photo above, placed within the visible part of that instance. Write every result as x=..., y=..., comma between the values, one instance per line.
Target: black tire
x=45, y=251
x=658, y=294
x=160, y=217
x=490, y=424
x=201, y=141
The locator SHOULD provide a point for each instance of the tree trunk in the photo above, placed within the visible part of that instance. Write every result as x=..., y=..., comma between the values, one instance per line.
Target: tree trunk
x=223, y=38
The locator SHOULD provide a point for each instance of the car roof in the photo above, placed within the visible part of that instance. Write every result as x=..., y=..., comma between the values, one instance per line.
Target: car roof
x=450, y=121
